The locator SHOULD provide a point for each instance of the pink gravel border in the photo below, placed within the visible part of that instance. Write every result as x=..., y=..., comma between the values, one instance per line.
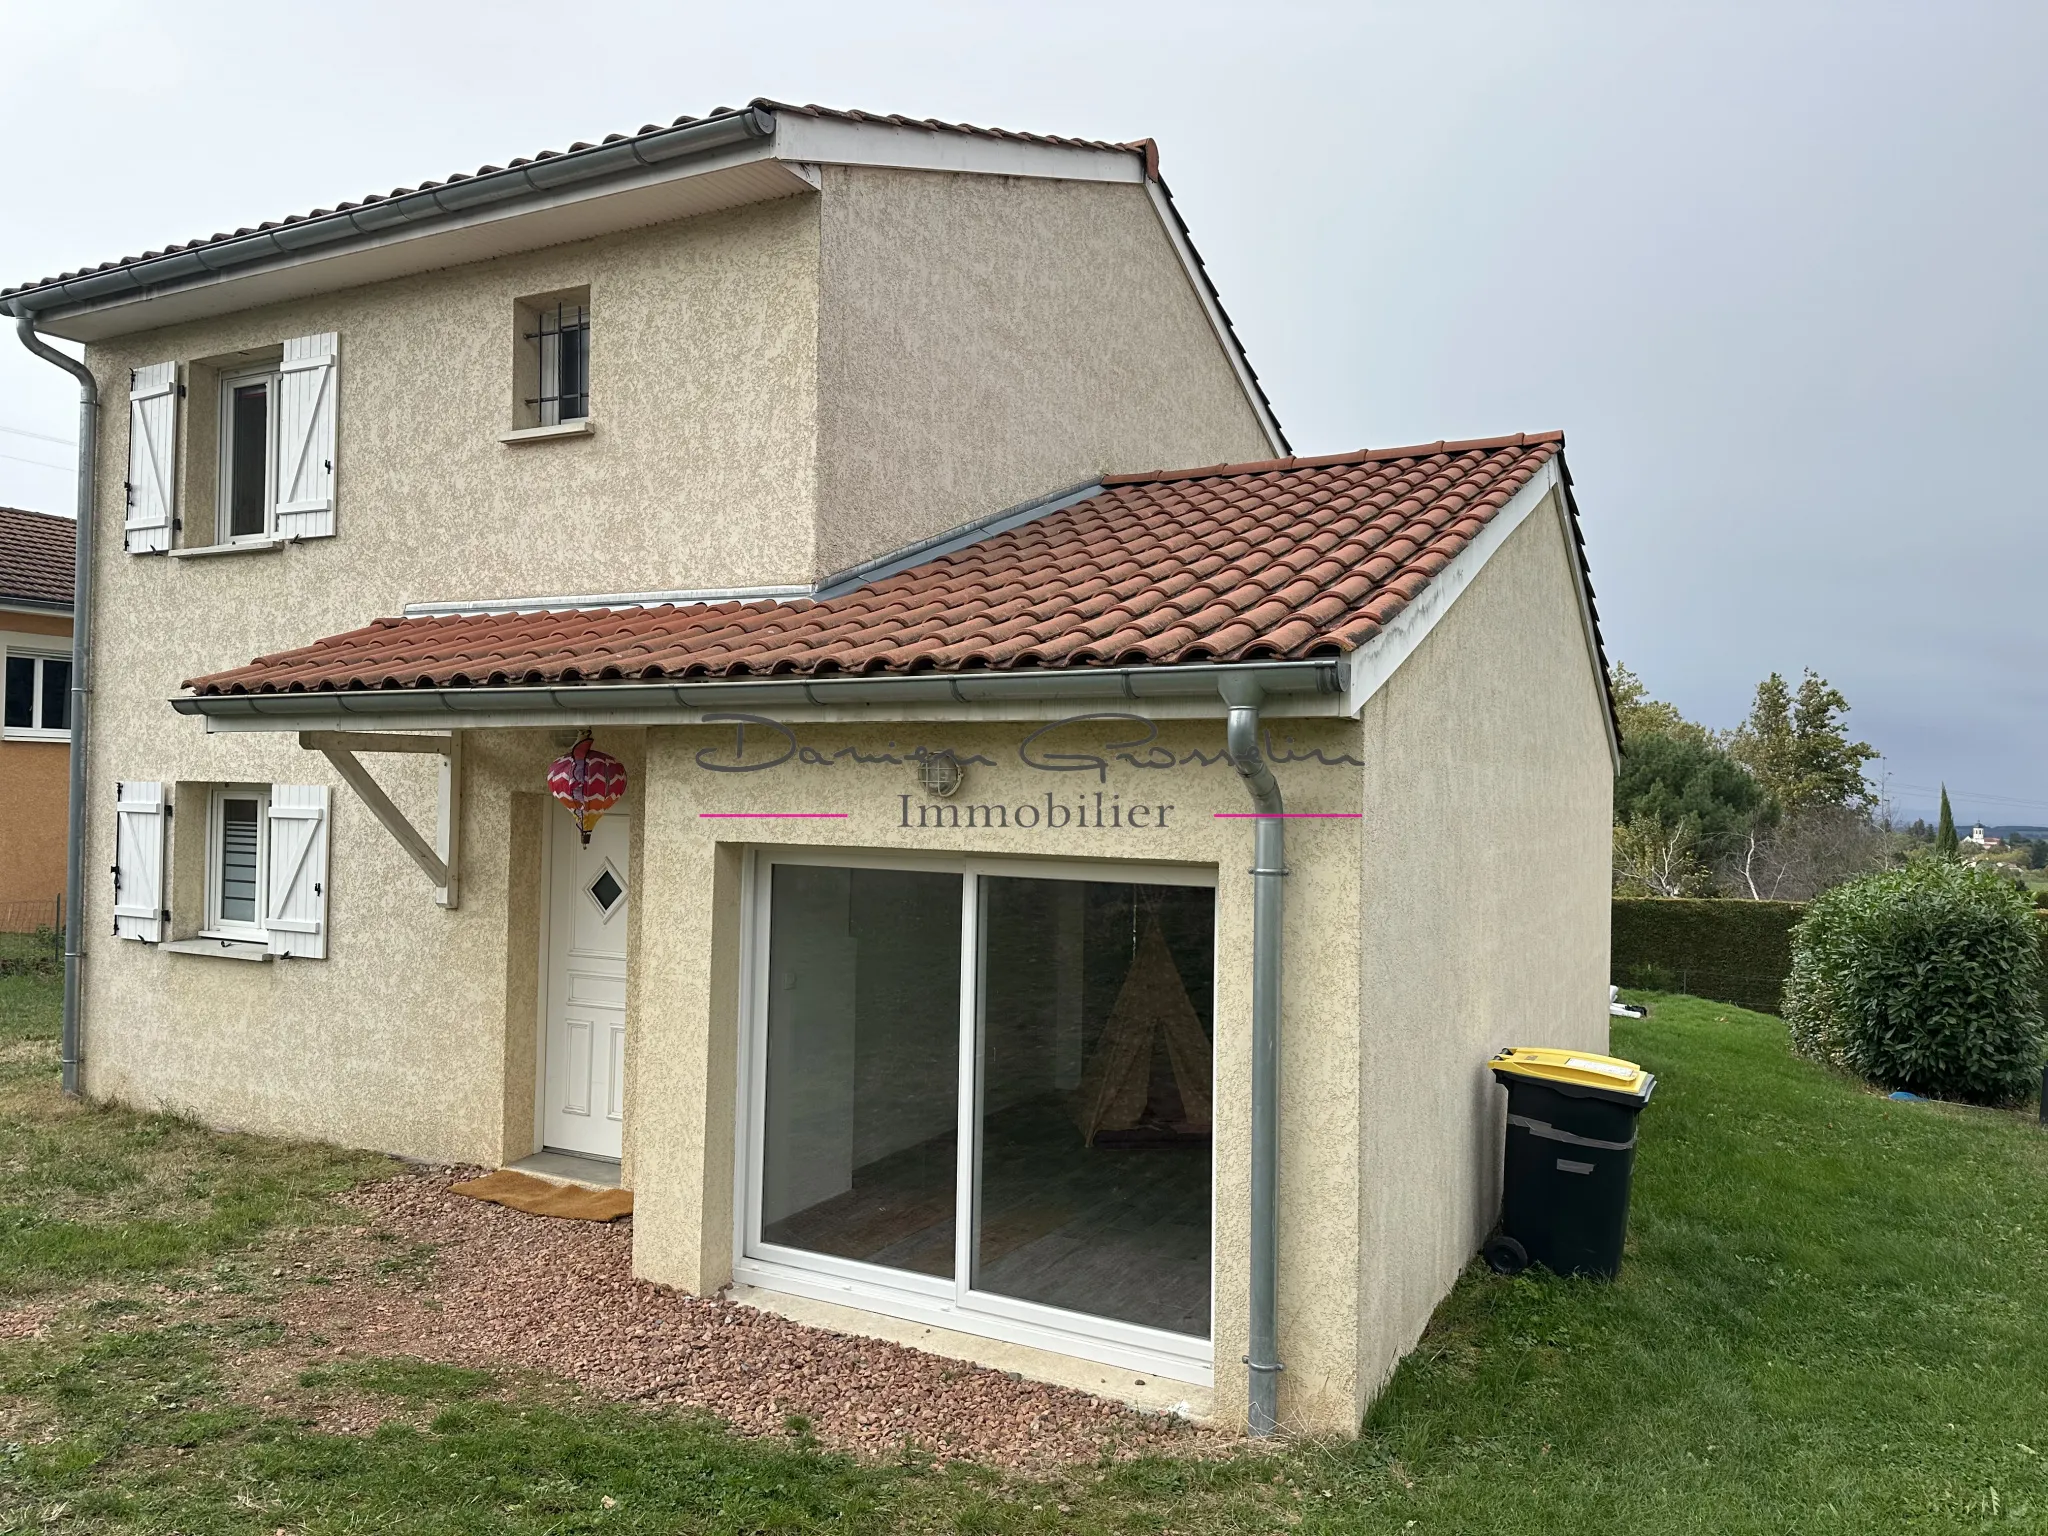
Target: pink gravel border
x=558, y=1297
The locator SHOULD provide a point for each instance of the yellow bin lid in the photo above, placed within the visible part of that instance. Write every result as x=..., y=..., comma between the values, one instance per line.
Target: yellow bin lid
x=1605, y=1075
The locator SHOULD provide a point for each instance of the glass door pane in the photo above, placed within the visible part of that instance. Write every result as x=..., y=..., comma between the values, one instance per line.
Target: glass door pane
x=1095, y=1081
x=861, y=1113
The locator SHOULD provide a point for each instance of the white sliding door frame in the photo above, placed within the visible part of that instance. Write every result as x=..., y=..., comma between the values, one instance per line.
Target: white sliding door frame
x=950, y=1303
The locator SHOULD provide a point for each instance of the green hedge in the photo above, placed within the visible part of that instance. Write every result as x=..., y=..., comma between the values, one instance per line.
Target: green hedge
x=1731, y=951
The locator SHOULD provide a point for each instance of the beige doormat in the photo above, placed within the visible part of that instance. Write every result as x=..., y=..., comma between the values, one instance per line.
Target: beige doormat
x=544, y=1197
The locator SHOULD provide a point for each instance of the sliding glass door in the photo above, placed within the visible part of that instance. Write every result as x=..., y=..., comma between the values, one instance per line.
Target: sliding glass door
x=980, y=1094
x=861, y=1121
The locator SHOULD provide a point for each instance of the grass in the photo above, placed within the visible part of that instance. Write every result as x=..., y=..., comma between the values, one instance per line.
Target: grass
x=91, y=1194
x=1829, y=1320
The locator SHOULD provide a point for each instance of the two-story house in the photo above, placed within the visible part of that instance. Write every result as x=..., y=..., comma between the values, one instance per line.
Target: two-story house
x=1006, y=930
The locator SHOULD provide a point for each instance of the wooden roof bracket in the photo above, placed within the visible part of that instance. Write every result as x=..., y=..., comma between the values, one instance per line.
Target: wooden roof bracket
x=442, y=858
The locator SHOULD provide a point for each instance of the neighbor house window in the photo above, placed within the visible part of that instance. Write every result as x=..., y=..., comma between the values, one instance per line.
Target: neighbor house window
x=237, y=849
x=561, y=339
x=981, y=1096
x=37, y=702
x=248, y=455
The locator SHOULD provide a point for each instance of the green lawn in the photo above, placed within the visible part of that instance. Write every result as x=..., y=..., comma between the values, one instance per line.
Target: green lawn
x=1831, y=1319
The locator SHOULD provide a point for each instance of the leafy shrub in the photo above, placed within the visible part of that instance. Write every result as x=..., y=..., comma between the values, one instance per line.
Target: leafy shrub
x=1925, y=978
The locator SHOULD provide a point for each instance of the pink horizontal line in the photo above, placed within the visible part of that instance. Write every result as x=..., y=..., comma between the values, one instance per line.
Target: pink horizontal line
x=1281, y=815
x=771, y=815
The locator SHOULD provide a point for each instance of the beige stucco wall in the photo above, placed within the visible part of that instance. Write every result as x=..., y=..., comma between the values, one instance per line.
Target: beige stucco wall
x=400, y=1039
x=1483, y=909
x=684, y=1003
x=34, y=776
x=699, y=473
x=988, y=339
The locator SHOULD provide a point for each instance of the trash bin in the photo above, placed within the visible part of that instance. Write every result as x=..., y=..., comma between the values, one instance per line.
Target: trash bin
x=1571, y=1149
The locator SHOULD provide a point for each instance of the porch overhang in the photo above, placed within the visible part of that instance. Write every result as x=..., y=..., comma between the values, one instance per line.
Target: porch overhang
x=1291, y=688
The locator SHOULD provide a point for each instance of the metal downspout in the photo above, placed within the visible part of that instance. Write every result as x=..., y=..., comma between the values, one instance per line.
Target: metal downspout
x=1269, y=905
x=81, y=680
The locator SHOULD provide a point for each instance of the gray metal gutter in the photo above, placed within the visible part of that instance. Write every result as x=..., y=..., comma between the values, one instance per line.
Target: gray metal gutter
x=1269, y=911
x=621, y=702
x=429, y=205
x=81, y=686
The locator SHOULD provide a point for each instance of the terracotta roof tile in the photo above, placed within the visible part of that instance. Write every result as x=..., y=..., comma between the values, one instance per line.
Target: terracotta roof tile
x=1285, y=559
x=35, y=557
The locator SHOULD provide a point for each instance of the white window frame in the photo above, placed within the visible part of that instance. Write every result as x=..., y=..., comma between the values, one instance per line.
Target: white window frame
x=269, y=377
x=216, y=926
x=38, y=731
x=949, y=1302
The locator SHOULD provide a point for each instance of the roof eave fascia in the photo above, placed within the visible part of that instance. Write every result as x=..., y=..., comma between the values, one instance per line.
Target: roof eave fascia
x=416, y=212
x=31, y=605
x=1376, y=661
x=1299, y=687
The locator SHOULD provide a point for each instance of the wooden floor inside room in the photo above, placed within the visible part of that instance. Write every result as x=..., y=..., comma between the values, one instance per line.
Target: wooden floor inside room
x=1118, y=1232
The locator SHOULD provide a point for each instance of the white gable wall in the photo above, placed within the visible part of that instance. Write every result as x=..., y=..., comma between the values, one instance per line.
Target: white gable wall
x=1484, y=911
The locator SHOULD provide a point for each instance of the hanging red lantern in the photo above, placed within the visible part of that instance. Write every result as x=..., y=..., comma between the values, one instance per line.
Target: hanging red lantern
x=588, y=783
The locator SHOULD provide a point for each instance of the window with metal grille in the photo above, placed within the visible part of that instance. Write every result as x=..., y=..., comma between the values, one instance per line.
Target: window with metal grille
x=561, y=339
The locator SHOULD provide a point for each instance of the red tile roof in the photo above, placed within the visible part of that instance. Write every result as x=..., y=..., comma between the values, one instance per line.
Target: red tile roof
x=35, y=558
x=1281, y=560
x=760, y=103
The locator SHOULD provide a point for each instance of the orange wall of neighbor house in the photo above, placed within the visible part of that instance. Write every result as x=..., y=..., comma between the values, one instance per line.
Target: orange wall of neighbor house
x=33, y=782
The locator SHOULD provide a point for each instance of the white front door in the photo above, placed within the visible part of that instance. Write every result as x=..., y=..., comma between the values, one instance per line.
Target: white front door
x=591, y=887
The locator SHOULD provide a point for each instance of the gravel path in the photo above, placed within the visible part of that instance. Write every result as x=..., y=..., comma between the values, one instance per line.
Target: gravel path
x=558, y=1296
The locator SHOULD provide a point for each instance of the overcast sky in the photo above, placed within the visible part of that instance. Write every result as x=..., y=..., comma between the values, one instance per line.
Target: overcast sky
x=1780, y=271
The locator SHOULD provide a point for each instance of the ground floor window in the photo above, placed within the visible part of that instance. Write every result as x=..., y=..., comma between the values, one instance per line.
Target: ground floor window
x=985, y=1092
x=236, y=843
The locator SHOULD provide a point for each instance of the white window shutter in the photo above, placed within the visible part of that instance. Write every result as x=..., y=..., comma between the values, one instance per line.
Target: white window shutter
x=308, y=380
x=295, y=885
x=152, y=457
x=139, y=861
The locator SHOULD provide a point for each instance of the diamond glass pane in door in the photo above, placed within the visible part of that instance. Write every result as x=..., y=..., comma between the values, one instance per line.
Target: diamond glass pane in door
x=605, y=890
x=860, y=1116
x=1093, y=1181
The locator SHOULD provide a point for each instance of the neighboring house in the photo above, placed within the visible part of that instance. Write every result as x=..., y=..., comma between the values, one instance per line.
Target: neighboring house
x=35, y=712
x=809, y=461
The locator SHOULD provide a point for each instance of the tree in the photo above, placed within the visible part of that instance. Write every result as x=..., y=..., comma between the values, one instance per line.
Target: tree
x=1798, y=746
x=1653, y=859
x=1689, y=780
x=1637, y=715
x=1946, y=844
x=1798, y=857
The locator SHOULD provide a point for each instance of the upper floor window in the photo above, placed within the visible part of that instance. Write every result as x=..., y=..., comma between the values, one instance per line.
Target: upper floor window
x=248, y=455
x=551, y=366
x=255, y=463
x=563, y=337
x=35, y=704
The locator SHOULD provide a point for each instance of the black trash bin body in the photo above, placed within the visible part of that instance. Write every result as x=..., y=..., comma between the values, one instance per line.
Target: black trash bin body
x=1569, y=1159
